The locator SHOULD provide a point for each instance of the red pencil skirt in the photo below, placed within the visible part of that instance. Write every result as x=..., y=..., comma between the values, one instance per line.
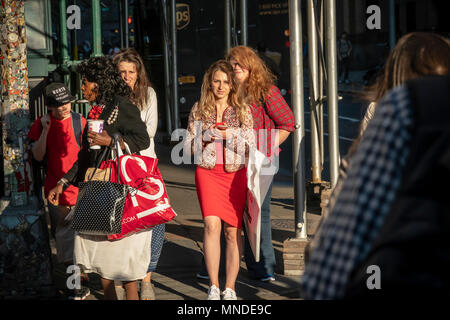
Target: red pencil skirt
x=222, y=194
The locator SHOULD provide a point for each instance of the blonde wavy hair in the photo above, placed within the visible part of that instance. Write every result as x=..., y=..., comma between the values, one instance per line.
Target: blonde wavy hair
x=260, y=80
x=207, y=106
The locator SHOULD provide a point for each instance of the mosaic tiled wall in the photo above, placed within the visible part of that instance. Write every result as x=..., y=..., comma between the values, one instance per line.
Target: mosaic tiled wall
x=14, y=101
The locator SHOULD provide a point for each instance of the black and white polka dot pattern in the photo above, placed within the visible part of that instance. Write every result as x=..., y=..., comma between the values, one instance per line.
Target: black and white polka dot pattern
x=99, y=207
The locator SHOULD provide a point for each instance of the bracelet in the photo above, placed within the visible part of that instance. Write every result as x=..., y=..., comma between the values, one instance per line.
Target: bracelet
x=64, y=182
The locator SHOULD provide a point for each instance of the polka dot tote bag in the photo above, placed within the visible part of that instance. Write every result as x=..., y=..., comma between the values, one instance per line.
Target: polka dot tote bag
x=99, y=206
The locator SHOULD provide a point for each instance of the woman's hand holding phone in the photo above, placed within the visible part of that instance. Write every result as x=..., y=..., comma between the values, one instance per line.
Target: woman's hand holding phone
x=221, y=127
x=222, y=131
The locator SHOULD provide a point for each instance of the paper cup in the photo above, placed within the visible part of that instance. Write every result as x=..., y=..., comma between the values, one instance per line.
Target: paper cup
x=96, y=126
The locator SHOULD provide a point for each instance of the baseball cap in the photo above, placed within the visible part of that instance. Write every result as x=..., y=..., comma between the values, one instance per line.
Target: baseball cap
x=57, y=94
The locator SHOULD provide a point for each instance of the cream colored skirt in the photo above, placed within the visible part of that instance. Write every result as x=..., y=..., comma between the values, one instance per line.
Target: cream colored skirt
x=126, y=259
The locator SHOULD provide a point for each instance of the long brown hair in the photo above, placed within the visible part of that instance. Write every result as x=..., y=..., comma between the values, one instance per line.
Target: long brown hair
x=142, y=82
x=260, y=80
x=207, y=105
x=415, y=55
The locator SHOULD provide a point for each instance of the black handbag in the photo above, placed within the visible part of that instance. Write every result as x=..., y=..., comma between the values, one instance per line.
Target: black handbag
x=100, y=204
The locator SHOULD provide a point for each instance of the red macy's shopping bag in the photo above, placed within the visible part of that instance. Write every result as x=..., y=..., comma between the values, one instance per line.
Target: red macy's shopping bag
x=148, y=205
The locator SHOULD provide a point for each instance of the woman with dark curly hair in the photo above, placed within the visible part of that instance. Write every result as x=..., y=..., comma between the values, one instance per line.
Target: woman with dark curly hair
x=127, y=259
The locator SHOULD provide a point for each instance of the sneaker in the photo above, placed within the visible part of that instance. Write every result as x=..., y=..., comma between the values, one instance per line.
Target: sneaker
x=267, y=278
x=213, y=293
x=120, y=292
x=203, y=275
x=80, y=294
x=147, y=292
x=229, y=294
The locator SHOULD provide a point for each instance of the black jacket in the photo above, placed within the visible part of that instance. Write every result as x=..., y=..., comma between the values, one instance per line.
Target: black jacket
x=128, y=124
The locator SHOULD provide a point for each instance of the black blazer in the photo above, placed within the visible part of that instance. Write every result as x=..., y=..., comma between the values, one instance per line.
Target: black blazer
x=128, y=124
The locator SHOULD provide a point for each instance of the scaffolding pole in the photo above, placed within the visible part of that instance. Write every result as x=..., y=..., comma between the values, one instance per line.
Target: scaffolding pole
x=227, y=25
x=96, y=29
x=121, y=24
x=65, y=58
x=173, y=29
x=392, y=24
x=321, y=84
x=244, y=23
x=332, y=89
x=296, y=60
x=166, y=67
x=126, y=39
x=314, y=100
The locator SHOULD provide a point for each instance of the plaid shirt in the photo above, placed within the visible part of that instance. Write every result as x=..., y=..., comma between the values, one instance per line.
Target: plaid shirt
x=374, y=176
x=278, y=116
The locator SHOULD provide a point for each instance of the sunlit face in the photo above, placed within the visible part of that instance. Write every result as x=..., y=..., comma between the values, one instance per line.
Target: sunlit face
x=240, y=72
x=129, y=73
x=89, y=90
x=61, y=112
x=220, y=85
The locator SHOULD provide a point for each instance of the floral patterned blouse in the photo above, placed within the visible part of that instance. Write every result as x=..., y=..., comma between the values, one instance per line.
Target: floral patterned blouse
x=240, y=139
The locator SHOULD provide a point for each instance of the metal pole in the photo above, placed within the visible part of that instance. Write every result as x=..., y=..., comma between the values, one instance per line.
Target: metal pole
x=96, y=29
x=244, y=23
x=173, y=29
x=121, y=24
x=166, y=67
x=63, y=30
x=296, y=60
x=313, y=55
x=227, y=26
x=75, y=40
x=392, y=24
x=321, y=82
x=64, y=41
x=126, y=37
x=332, y=89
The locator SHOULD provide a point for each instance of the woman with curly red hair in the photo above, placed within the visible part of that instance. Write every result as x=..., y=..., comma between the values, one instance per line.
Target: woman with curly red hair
x=273, y=121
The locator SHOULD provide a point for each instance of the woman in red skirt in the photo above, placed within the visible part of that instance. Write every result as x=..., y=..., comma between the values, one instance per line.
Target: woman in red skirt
x=220, y=131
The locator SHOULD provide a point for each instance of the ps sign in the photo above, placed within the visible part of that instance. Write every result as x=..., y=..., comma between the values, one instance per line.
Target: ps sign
x=183, y=15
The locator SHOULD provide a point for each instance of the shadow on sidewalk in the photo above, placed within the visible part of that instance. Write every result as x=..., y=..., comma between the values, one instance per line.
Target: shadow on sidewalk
x=176, y=279
x=180, y=185
x=181, y=260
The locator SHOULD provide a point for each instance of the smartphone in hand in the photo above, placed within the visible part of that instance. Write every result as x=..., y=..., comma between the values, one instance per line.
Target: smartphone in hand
x=222, y=127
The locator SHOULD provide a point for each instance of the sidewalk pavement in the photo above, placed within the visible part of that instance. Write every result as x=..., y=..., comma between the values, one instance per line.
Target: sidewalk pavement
x=356, y=84
x=181, y=257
